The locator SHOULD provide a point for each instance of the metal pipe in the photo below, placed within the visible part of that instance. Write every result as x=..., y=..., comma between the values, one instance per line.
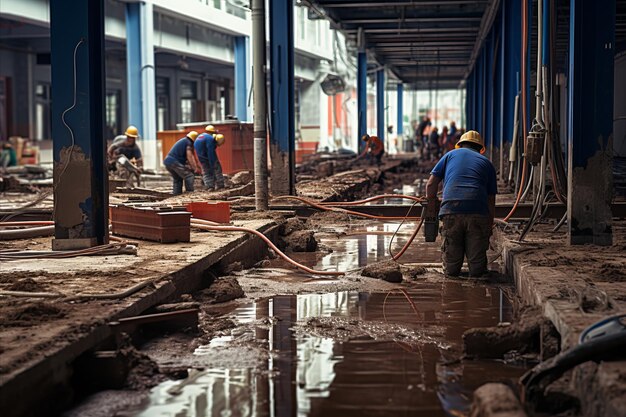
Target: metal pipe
x=513, y=150
x=539, y=86
x=261, y=188
x=26, y=233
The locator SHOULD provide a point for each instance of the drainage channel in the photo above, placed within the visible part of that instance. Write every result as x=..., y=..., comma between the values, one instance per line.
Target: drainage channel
x=341, y=351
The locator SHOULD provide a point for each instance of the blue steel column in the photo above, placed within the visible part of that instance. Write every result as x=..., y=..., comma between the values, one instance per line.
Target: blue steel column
x=241, y=80
x=590, y=186
x=282, y=133
x=400, y=110
x=81, y=197
x=141, y=77
x=512, y=44
x=489, y=90
x=361, y=96
x=380, y=104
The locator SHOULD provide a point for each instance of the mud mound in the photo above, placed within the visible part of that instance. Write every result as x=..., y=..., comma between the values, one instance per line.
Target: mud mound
x=27, y=284
x=327, y=216
x=387, y=271
x=33, y=314
x=301, y=241
x=222, y=290
x=292, y=224
x=242, y=178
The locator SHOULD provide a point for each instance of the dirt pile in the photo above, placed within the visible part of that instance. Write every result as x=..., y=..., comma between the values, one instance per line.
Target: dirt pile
x=531, y=335
x=387, y=271
x=28, y=285
x=242, y=178
x=33, y=313
x=295, y=238
x=221, y=290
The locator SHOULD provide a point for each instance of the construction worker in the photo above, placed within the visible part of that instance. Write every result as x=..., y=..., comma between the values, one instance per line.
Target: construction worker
x=125, y=156
x=468, y=206
x=206, y=149
x=126, y=145
x=374, y=149
x=8, y=156
x=181, y=163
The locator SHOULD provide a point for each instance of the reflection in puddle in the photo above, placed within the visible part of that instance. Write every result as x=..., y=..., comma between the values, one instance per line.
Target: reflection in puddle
x=312, y=373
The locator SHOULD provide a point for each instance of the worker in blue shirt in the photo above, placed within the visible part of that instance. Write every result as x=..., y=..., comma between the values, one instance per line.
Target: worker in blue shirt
x=181, y=163
x=468, y=204
x=206, y=148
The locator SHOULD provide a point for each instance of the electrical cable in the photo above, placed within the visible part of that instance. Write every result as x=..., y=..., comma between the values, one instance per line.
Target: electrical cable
x=204, y=225
x=398, y=229
x=350, y=212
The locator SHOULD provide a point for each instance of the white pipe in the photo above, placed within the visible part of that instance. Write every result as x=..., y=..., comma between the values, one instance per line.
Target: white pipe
x=261, y=187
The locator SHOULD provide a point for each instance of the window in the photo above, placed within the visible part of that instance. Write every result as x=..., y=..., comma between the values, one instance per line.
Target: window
x=5, y=112
x=42, y=111
x=112, y=112
x=188, y=97
x=302, y=22
x=163, y=103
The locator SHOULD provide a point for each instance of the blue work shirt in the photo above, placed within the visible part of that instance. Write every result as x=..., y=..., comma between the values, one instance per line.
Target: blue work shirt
x=178, y=153
x=468, y=179
x=205, y=146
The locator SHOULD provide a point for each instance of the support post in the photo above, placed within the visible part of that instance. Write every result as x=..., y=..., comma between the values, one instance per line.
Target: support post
x=141, y=78
x=241, y=44
x=282, y=135
x=380, y=104
x=590, y=180
x=261, y=192
x=400, y=111
x=81, y=197
x=361, y=97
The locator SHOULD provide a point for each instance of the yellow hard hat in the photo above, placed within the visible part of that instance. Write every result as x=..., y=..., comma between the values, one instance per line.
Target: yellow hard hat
x=365, y=137
x=132, y=132
x=210, y=129
x=472, y=136
x=219, y=139
x=192, y=135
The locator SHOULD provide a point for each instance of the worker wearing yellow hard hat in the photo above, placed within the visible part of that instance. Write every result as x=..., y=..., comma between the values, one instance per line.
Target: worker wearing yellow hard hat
x=181, y=163
x=124, y=157
x=206, y=148
x=468, y=204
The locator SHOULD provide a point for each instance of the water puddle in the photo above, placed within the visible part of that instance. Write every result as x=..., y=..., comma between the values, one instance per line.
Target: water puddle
x=345, y=353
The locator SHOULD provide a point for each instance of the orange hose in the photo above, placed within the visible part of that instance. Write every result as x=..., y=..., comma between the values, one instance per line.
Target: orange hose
x=524, y=98
x=204, y=225
x=367, y=200
x=339, y=210
x=408, y=242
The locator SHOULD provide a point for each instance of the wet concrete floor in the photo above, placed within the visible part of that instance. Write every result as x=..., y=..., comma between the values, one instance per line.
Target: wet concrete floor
x=346, y=352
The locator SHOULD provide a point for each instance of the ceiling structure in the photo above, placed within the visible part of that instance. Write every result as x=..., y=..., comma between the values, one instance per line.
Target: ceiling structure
x=428, y=44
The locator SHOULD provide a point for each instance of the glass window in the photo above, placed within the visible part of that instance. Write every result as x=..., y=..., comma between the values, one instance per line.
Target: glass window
x=42, y=111
x=112, y=111
x=163, y=103
x=301, y=23
x=188, y=95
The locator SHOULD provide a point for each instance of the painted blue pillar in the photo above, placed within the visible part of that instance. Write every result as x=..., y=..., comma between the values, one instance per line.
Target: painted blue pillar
x=361, y=96
x=81, y=196
x=488, y=109
x=282, y=116
x=591, y=90
x=400, y=110
x=479, y=93
x=141, y=78
x=512, y=44
x=380, y=104
x=242, y=66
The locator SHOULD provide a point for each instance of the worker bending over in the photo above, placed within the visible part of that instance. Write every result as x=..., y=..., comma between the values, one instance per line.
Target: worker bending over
x=126, y=145
x=181, y=163
x=374, y=149
x=206, y=149
x=124, y=156
x=468, y=206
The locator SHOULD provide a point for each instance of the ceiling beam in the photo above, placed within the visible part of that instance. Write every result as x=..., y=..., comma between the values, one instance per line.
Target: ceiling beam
x=347, y=4
x=398, y=20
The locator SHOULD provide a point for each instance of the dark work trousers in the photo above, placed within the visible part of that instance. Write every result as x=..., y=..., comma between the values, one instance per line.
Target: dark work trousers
x=465, y=235
x=179, y=174
x=212, y=174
